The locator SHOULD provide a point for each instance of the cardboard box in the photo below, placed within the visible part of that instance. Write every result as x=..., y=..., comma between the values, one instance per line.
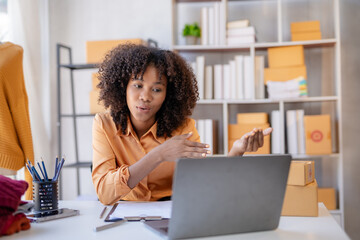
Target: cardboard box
x=305, y=36
x=307, y=26
x=96, y=50
x=95, y=107
x=317, y=134
x=236, y=131
x=301, y=200
x=284, y=73
x=252, y=118
x=95, y=80
x=301, y=173
x=286, y=56
x=328, y=197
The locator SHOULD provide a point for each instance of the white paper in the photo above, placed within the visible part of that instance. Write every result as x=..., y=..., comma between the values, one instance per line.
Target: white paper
x=142, y=209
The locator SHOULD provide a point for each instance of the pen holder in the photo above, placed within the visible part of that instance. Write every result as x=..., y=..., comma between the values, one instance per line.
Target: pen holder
x=45, y=196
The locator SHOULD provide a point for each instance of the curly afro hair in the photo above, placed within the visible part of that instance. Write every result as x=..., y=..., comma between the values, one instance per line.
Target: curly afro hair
x=129, y=60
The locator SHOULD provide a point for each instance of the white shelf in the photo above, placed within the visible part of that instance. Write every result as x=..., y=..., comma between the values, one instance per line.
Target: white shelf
x=314, y=43
x=269, y=101
x=304, y=156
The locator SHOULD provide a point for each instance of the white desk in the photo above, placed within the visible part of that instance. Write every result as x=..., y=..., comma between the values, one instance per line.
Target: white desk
x=81, y=227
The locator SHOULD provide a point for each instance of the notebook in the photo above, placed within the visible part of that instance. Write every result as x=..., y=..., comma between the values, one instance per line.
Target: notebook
x=225, y=195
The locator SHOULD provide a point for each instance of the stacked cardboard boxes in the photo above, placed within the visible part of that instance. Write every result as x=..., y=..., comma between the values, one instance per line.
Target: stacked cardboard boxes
x=328, y=197
x=303, y=31
x=285, y=65
x=246, y=122
x=301, y=190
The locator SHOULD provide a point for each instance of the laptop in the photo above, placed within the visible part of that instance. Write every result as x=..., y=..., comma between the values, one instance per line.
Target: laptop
x=226, y=195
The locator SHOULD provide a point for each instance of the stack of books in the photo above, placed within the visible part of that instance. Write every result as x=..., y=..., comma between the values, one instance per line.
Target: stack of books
x=301, y=190
x=246, y=122
x=239, y=32
x=304, y=31
x=213, y=25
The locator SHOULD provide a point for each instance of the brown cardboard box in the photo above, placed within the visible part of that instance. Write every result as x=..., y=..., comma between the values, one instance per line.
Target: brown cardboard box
x=305, y=36
x=286, y=56
x=95, y=107
x=96, y=50
x=328, y=197
x=252, y=118
x=317, y=134
x=284, y=74
x=301, y=200
x=95, y=80
x=301, y=173
x=307, y=26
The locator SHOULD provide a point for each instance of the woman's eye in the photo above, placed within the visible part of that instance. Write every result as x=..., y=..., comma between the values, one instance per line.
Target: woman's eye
x=157, y=90
x=137, y=86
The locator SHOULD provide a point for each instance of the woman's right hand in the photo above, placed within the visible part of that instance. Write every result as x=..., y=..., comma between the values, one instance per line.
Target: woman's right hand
x=180, y=147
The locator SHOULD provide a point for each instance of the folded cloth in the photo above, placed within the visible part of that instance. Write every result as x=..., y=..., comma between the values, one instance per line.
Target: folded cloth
x=15, y=224
x=294, y=88
x=10, y=197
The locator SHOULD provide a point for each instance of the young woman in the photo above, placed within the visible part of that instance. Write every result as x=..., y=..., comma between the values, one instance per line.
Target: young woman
x=150, y=94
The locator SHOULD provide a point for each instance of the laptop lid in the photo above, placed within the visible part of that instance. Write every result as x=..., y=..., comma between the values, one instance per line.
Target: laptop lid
x=226, y=195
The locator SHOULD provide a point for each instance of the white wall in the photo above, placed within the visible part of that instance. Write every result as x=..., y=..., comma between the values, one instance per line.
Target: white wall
x=73, y=22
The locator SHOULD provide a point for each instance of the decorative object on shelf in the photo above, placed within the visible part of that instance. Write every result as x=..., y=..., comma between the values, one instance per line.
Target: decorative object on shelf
x=192, y=33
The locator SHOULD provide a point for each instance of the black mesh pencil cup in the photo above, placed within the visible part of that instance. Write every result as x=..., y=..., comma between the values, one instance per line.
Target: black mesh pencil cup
x=45, y=195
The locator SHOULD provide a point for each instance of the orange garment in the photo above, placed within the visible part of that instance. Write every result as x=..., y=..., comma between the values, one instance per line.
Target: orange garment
x=114, y=152
x=15, y=133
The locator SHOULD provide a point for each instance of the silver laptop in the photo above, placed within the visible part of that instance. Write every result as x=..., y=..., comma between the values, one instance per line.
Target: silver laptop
x=226, y=195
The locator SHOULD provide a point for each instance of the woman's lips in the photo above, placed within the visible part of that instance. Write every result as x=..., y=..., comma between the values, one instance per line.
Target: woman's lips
x=143, y=108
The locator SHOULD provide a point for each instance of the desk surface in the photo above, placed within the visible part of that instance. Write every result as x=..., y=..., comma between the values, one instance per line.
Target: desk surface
x=81, y=227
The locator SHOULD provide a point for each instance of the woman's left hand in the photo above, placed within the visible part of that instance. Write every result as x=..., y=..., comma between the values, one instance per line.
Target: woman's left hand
x=249, y=142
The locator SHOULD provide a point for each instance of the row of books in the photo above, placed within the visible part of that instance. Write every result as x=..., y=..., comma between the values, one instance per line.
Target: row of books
x=239, y=32
x=231, y=81
x=213, y=24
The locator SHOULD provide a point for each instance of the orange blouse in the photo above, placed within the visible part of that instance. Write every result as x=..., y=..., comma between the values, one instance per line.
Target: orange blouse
x=114, y=152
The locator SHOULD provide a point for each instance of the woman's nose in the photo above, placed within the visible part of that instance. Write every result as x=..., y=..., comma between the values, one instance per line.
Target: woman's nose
x=146, y=95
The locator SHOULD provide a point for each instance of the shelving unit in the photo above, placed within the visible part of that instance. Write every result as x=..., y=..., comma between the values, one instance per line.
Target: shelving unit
x=272, y=21
x=74, y=116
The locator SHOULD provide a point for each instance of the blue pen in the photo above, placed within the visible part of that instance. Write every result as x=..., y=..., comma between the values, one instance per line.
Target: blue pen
x=42, y=173
x=56, y=166
x=59, y=169
x=46, y=176
x=36, y=173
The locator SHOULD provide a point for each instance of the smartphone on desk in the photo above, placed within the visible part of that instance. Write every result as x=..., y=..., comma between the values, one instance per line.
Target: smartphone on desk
x=52, y=215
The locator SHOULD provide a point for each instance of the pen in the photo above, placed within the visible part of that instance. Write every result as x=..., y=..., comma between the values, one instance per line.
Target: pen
x=43, y=164
x=103, y=212
x=107, y=226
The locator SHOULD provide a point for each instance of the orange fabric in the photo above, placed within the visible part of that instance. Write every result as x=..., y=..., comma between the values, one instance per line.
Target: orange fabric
x=114, y=152
x=15, y=132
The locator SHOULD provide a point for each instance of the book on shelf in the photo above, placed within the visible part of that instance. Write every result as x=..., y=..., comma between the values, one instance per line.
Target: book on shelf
x=249, y=85
x=239, y=32
x=209, y=82
x=259, y=77
x=200, y=75
x=236, y=40
x=291, y=132
x=218, y=81
x=204, y=26
x=211, y=20
x=222, y=27
x=275, y=134
x=207, y=132
x=239, y=64
x=233, y=82
x=227, y=81
x=238, y=24
x=300, y=131
x=217, y=22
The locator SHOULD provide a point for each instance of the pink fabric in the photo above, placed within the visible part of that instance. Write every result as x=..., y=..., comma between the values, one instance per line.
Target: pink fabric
x=10, y=197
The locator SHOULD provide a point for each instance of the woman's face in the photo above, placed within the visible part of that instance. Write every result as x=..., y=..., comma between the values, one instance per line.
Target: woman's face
x=144, y=98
